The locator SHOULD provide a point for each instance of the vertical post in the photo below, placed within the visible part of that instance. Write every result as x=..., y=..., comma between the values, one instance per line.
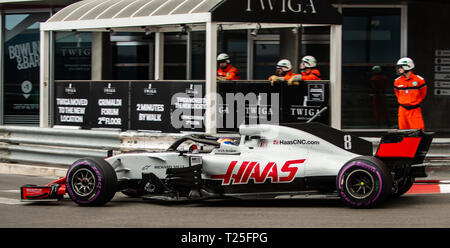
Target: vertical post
x=96, y=56
x=2, y=66
x=44, y=101
x=290, y=46
x=250, y=55
x=101, y=56
x=336, y=75
x=151, y=61
x=189, y=56
x=159, y=56
x=404, y=32
x=211, y=78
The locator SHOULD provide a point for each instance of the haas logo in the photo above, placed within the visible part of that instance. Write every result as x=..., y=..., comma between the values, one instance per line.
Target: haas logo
x=259, y=174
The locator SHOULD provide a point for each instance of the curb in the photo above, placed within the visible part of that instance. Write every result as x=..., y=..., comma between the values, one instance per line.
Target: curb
x=429, y=188
x=32, y=170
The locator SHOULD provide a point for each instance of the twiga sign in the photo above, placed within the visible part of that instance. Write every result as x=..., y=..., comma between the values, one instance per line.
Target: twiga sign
x=297, y=6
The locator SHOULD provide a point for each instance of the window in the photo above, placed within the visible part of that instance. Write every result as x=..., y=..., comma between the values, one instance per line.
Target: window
x=132, y=61
x=73, y=56
x=21, y=77
x=371, y=47
x=175, y=56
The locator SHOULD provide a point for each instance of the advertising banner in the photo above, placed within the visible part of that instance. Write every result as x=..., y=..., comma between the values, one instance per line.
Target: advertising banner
x=150, y=106
x=21, y=64
x=302, y=102
x=72, y=104
x=261, y=103
x=180, y=106
x=109, y=104
x=187, y=106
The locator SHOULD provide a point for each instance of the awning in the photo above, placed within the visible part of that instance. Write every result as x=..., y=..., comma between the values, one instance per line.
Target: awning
x=31, y=4
x=98, y=14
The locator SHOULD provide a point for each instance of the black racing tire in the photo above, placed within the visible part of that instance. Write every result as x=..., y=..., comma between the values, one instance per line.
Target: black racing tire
x=91, y=182
x=364, y=182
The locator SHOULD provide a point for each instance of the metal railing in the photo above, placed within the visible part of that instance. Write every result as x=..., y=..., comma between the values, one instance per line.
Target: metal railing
x=54, y=146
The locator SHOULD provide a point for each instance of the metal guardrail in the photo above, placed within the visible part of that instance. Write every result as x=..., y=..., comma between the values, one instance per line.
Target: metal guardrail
x=60, y=137
x=65, y=145
x=55, y=146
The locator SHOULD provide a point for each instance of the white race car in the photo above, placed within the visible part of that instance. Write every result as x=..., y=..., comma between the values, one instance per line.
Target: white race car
x=268, y=162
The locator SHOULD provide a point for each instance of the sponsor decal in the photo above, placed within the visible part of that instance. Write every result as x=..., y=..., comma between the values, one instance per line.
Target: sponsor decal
x=241, y=173
x=296, y=142
x=225, y=150
x=34, y=191
x=168, y=166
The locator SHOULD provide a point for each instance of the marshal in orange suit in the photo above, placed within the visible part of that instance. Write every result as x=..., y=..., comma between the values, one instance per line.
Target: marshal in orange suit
x=410, y=90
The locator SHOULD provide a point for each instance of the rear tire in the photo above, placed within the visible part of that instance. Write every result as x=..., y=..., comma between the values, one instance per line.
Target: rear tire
x=364, y=182
x=404, y=186
x=91, y=182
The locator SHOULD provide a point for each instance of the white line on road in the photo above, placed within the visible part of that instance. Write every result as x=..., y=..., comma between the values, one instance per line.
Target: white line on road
x=10, y=201
x=10, y=191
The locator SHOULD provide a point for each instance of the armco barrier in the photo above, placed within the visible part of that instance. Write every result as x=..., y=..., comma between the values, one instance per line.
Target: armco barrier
x=53, y=145
x=62, y=137
x=64, y=145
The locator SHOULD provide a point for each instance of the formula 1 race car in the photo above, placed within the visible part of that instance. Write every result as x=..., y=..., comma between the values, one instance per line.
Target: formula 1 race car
x=268, y=162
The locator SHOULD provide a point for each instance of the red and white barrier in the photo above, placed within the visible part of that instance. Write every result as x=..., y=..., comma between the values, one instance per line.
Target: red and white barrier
x=430, y=187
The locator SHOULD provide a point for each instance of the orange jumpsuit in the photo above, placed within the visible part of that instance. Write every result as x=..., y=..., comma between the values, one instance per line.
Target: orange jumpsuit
x=314, y=74
x=410, y=93
x=286, y=77
x=230, y=73
x=289, y=75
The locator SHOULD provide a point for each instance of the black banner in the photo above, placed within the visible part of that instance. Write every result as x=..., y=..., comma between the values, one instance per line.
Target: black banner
x=72, y=104
x=302, y=102
x=176, y=106
x=261, y=103
x=187, y=106
x=150, y=106
x=110, y=104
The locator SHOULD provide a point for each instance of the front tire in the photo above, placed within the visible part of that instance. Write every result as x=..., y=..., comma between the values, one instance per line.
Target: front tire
x=91, y=182
x=364, y=182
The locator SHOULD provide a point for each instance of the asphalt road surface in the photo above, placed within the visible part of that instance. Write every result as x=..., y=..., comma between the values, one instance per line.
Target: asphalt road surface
x=413, y=210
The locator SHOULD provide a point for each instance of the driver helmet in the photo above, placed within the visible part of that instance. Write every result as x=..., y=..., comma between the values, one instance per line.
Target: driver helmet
x=227, y=141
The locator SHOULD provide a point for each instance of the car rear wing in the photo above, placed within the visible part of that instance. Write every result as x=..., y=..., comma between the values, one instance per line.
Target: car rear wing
x=409, y=144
